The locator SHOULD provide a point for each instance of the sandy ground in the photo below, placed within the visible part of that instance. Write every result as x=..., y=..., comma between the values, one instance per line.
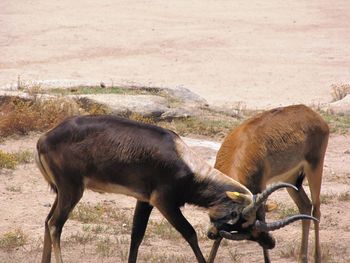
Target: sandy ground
x=27, y=207
x=263, y=53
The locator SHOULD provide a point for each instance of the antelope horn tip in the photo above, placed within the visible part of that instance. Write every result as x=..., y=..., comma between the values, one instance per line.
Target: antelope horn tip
x=291, y=186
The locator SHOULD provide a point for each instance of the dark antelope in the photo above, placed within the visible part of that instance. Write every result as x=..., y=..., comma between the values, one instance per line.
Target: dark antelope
x=152, y=164
x=283, y=144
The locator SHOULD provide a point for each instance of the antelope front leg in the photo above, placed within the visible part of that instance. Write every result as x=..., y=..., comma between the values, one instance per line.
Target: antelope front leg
x=141, y=216
x=266, y=256
x=176, y=219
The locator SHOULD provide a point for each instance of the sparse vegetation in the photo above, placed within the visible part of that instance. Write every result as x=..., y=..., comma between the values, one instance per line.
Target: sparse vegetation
x=140, y=118
x=88, y=213
x=326, y=254
x=91, y=107
x=88, y=90
x=163, y=257
x=80, y=90
x=82, y=237
x=104, y=246
x=290, y=251
x=25, y=156
x=11, y=160
x=343, y=197
x=339, y=91
x=212, y=126
x=13, y=239
x=123, y=253
x=15, y=189
x=206, y=126
x=337, y=123
x=327, y=198
x=100, y=214
x=20, y=116
x=284, y=211
x=234, y=256
x=7, y=160
x=163, y=229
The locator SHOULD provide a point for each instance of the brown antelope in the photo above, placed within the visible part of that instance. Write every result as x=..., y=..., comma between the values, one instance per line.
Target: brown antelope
x=283, y=144
x=152, y=164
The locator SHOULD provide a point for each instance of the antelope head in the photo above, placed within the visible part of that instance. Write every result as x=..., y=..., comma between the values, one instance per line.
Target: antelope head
x=241, y=223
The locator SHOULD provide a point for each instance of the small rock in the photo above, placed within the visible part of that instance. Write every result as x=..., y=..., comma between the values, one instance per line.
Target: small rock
x=347, y=151
x=47, y=205
x=176, y=113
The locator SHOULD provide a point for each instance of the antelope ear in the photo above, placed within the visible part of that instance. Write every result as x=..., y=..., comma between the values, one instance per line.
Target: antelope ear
x=236, y=197
x=270, y=206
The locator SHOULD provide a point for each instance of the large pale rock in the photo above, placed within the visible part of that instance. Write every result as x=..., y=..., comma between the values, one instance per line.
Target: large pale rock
x=341, y=107
x=175, y=113
x=158, y=102
x=186, y=96
x=145, y=105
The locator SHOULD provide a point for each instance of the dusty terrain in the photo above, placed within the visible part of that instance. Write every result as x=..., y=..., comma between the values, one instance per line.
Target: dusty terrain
x=25, y=200
x=260, y=53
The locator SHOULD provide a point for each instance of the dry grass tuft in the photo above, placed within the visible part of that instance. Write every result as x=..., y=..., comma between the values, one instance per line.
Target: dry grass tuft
x=235, y=256
x=163, y=230
x=11, y=160
x=7, y=160
x=339, y=91
x=326, y=254
x=343, y=197
x=91, y=107
x=205, y=126
x=13, y=239
x=88, y=213
x=14, y=189
x=140, y=118
x=284, y=211
x=327, y=198
x=163, y=257
x=20, y=116
x=105, y=246
x=337, y=124
x=290, y=252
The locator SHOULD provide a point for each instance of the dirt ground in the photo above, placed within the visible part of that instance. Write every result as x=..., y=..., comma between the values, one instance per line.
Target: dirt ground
x=261, y=53
x=26, y=207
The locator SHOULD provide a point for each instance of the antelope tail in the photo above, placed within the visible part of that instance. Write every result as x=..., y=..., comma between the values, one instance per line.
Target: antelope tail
x=45, y=170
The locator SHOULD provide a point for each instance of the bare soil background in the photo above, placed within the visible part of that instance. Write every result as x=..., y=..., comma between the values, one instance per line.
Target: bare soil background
x=257, y=53
x=261, y=53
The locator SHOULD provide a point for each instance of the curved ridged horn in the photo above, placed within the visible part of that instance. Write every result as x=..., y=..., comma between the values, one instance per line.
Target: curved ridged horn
x=234, y=236
x=214, y=250
x=265, y=227
x=261, y=198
